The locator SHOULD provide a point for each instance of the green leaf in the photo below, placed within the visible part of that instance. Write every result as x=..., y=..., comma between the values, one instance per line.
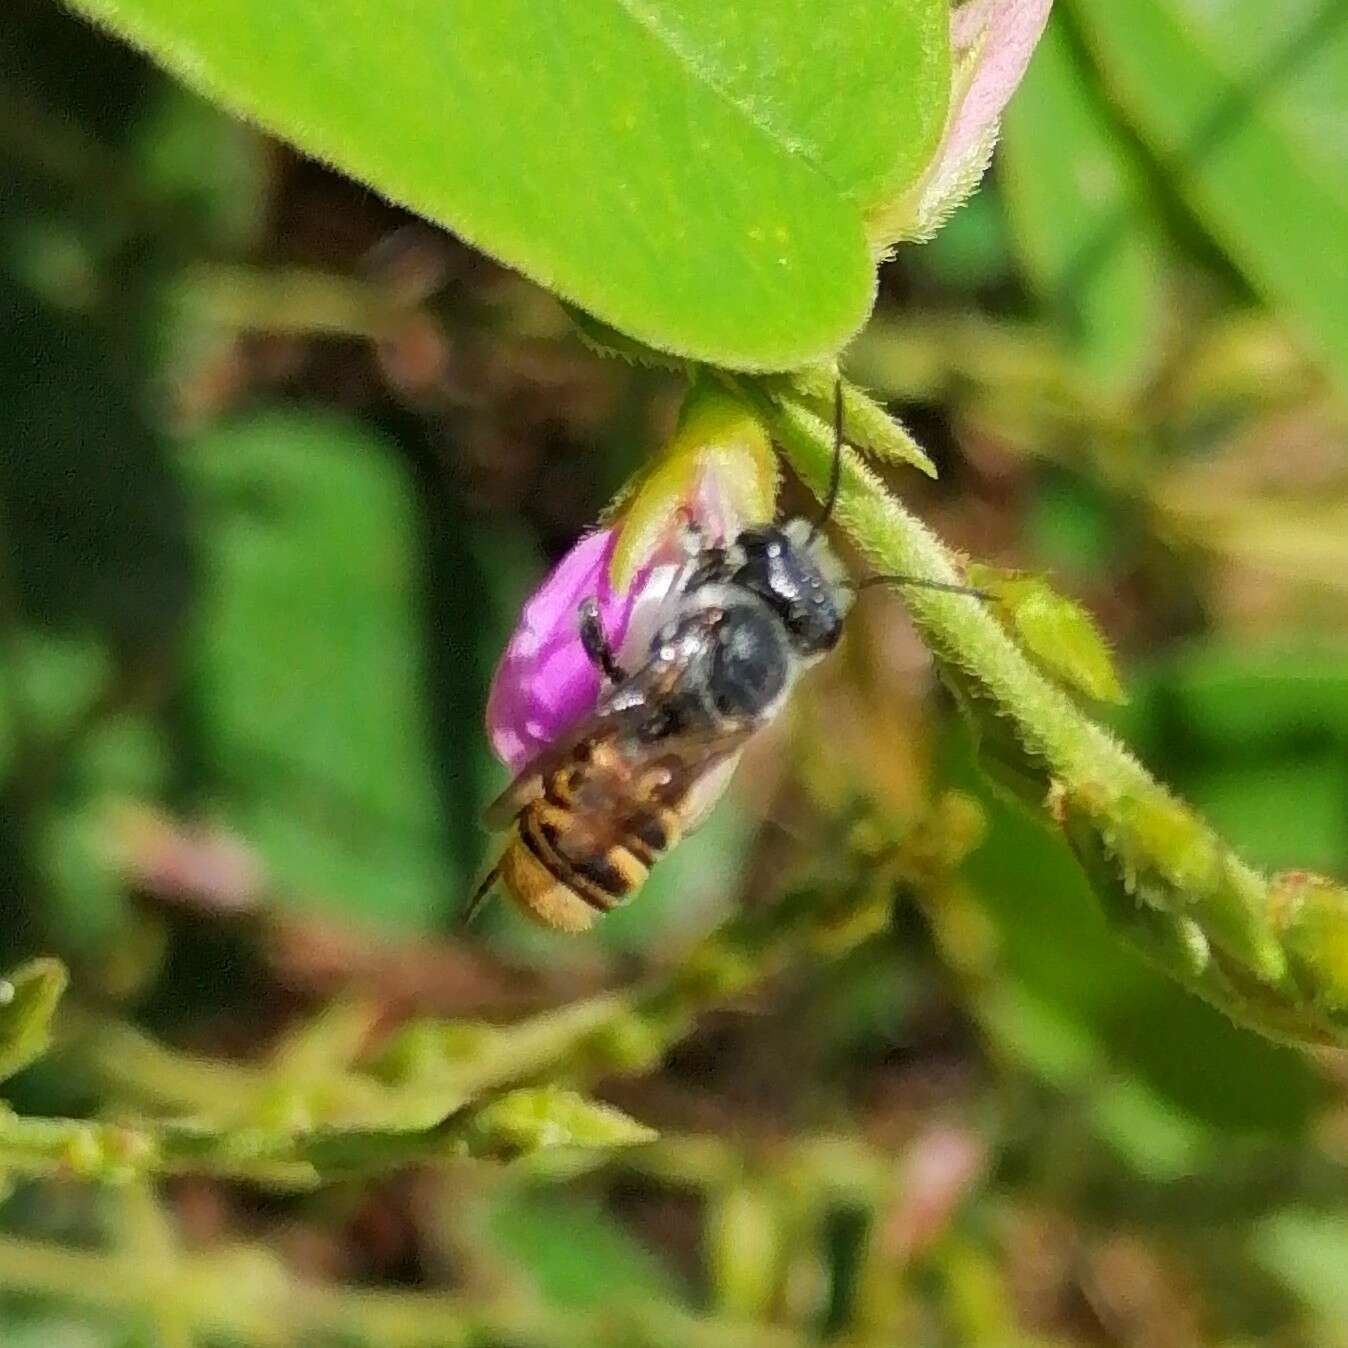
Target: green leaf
x=1080, y=219
x=1159, y=1141
x=28, y=1001
x=577, y=1255
x=1250, y=119
x=307, y=657
x=694, y=173
x=1227, y=694
x=1280, y=812
x=1060, y=635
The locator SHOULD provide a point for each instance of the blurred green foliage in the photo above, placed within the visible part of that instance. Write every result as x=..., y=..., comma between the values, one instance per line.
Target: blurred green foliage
x=330, y=781
x=279, y=464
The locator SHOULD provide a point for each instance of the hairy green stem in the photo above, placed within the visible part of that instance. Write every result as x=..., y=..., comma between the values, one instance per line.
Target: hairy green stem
x=1273, y=954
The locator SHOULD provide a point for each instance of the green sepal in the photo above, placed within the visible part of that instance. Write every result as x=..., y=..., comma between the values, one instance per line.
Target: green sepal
x=720, y=447
x=1057, y=632
x=543, y=1118
x=28, y=1000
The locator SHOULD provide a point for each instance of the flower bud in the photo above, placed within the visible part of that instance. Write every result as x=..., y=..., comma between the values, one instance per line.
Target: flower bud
x=991, y=43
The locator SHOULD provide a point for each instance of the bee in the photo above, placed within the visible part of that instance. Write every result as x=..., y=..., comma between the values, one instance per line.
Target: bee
x=591, y=815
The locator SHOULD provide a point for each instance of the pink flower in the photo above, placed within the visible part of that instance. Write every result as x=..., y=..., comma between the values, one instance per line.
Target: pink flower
x=719, y=472
x=545, y=681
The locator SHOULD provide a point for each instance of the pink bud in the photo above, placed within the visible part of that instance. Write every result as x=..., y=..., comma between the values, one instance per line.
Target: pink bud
x=991, y=45
x=941, y=1166
x=1000, y=36
x=177, y=861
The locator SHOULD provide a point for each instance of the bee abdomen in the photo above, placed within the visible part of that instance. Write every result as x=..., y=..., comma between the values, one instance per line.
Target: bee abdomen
x=564, y=886
x=651, y=833
x=538, y=891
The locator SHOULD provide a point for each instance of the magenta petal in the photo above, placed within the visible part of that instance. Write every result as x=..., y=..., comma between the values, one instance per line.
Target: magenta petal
x=545, y=682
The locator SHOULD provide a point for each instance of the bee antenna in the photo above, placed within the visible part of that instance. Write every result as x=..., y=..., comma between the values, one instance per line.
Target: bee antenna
x=947, y=587
x=480, y=896
x=835, y=468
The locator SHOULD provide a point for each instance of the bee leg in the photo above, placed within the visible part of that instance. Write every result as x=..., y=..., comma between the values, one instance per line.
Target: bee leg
x=596, y=643
x=480, y=896
x=692, y=541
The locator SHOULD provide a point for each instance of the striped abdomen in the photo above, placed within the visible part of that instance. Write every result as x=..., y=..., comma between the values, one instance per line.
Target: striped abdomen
x=585, y=846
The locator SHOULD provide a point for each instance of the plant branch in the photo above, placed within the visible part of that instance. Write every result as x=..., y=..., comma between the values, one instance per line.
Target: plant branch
x=1272, y=953
x=517, y=1123
x=322, y=1109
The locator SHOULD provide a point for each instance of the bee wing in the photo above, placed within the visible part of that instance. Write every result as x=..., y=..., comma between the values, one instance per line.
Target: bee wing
x=697, y=764
x=697, y=755
x=709, y=787
x=620, y=711
x=608, y=804
x=526, y=787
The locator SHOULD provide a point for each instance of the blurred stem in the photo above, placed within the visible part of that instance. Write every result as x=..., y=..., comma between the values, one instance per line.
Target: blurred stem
x=838, y=1168
x=1020, y=380
x=514, y=1124
x=1300, y=540
x=247, y=1295
x=1272, y=955
x=40, y=1148
x=436, y=1090
x=290, y=300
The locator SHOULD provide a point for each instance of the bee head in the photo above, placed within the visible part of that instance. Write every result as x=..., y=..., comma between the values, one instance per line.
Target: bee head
x=798, y=576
